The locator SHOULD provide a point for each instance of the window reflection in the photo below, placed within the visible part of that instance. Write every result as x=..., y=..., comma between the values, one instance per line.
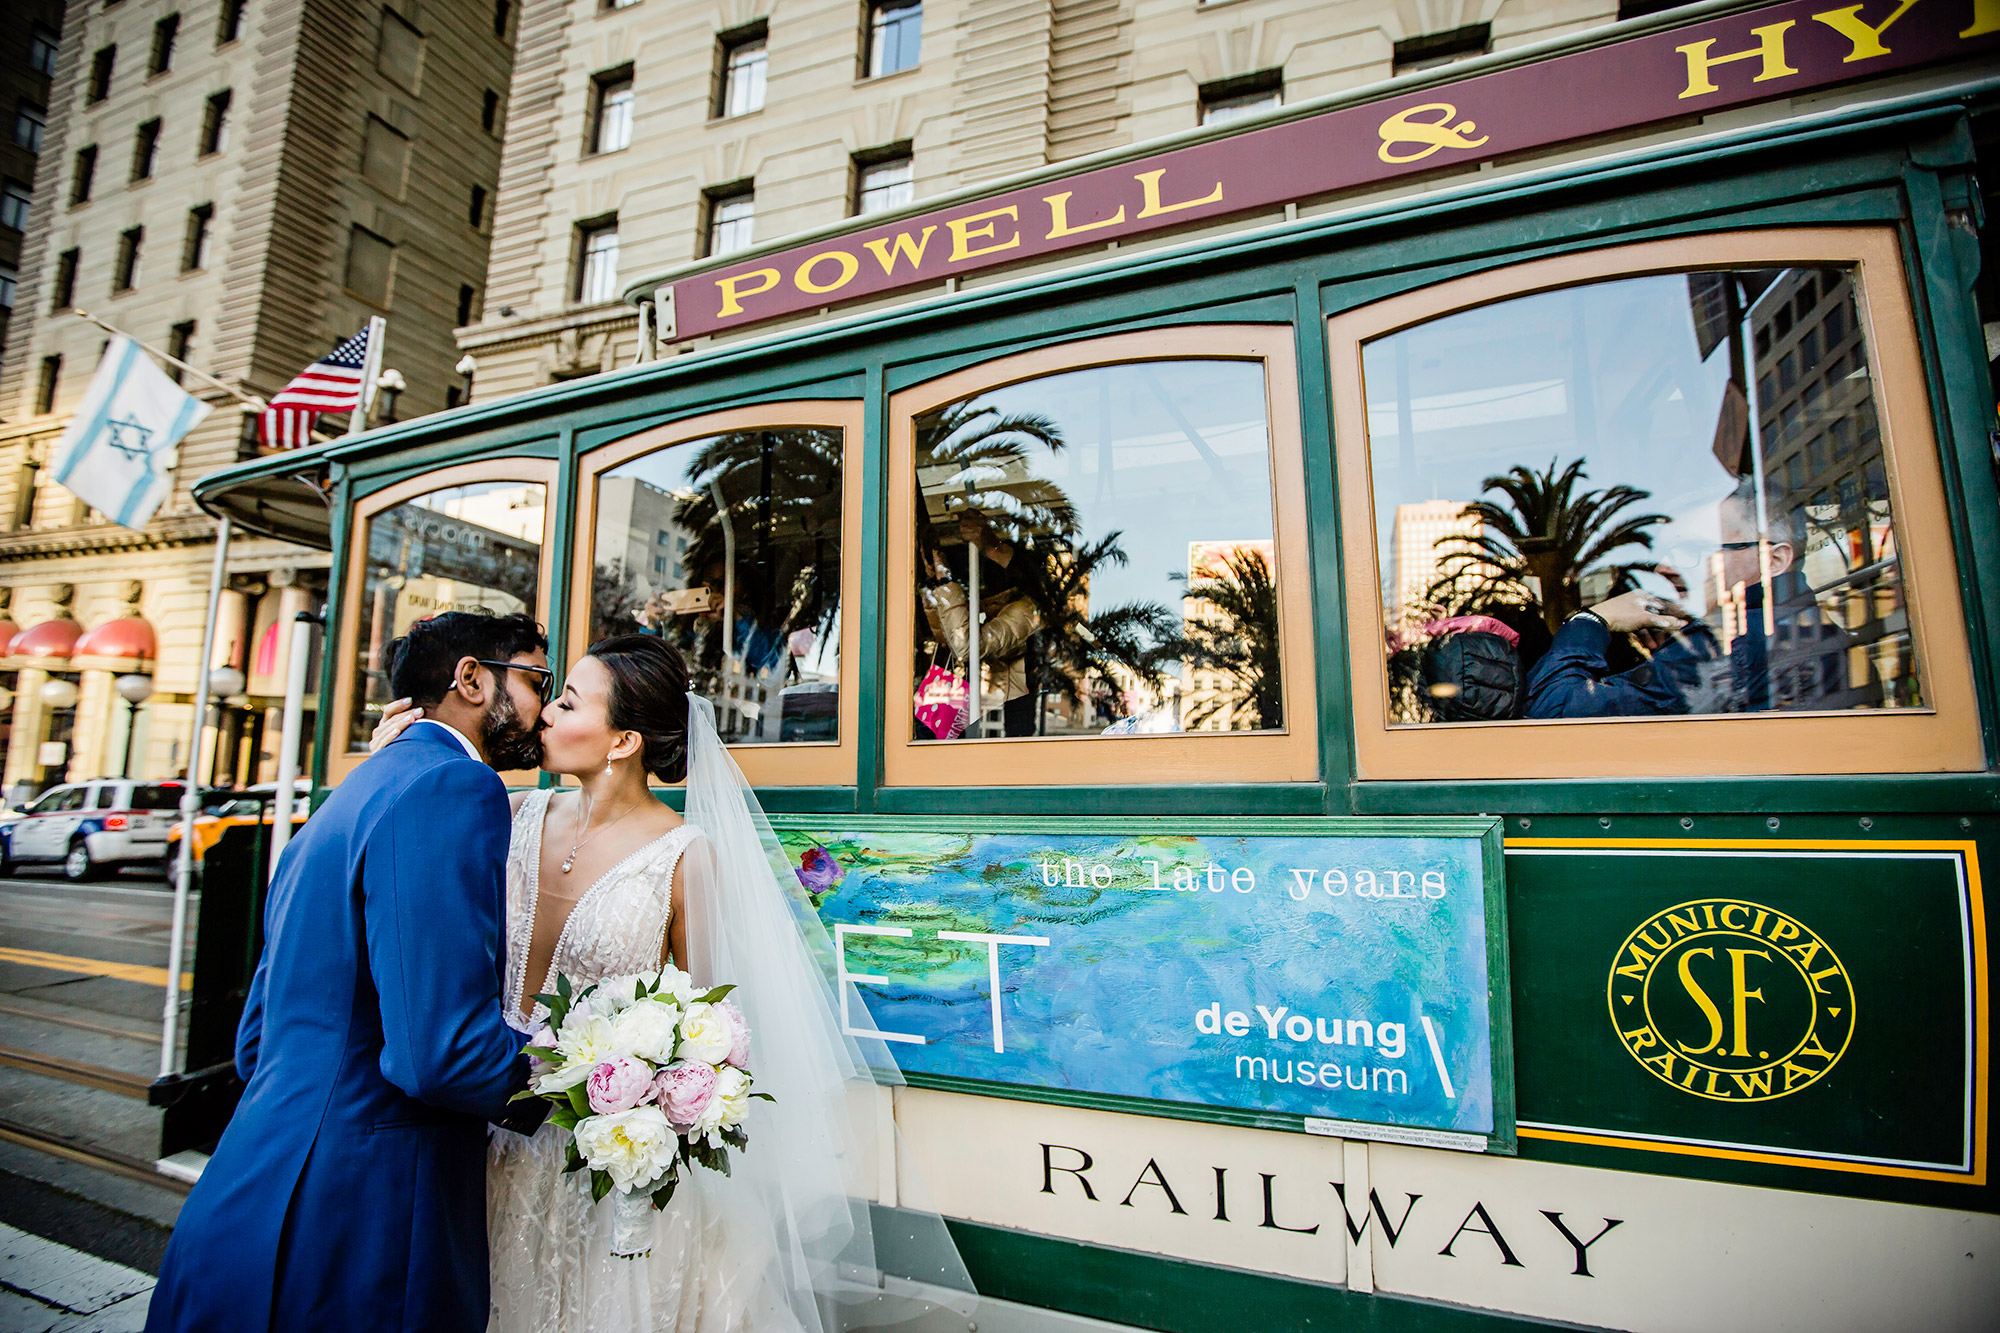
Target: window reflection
x=1658, y=495
x=463, y=548
x=1113, y=527
x=729, y=547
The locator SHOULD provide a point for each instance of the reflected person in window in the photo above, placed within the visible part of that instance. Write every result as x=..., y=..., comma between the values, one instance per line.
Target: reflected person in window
x=1008, y=621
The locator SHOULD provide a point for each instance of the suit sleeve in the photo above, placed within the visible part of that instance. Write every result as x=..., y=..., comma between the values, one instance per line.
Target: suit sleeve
x=1573, y=679
x=433, y=878
x=250, y=1028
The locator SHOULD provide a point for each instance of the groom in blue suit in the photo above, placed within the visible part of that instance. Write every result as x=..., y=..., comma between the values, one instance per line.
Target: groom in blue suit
x=349, y=1191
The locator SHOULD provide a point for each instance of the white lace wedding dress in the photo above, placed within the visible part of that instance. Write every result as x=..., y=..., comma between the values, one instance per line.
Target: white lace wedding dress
x=550, y=1246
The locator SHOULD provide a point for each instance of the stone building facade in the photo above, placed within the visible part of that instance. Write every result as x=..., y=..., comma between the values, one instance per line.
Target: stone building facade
x=241, y=184
x=30, y=33
x=747, y=120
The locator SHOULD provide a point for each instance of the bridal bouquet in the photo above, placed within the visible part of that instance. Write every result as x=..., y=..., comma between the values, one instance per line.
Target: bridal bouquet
x=648, y=1076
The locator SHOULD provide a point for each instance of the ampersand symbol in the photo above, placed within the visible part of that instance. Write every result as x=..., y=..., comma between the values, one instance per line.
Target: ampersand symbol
x=1434, y=133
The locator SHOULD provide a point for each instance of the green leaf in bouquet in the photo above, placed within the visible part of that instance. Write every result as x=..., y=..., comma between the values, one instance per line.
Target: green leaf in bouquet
x=562, y=985
x=736, y=1138
x=579, y=1099
x=564, y=1117
x=664, y=1194
x=715, y=1159
x=764, y=1096
x=558, y=1007
x=600, y=1185
x=575, y=1162
x=522, y=1096
x=715, y=994
x=548, y=1055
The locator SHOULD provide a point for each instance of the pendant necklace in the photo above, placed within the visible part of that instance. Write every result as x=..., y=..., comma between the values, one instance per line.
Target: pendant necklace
x=575, y=847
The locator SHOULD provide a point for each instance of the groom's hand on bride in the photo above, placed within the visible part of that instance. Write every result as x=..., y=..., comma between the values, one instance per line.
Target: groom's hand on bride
x=397, y=716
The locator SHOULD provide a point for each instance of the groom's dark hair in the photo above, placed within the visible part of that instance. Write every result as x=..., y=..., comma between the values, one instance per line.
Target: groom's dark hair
x=421, y=663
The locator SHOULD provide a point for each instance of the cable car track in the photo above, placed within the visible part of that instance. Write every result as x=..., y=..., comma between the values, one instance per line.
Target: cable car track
x=104, y=1159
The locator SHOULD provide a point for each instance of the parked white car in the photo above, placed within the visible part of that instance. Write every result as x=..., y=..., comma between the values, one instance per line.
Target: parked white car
x=89, y=827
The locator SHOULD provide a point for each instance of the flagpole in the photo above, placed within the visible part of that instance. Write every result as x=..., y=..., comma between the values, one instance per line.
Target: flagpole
x=371, y=367
x=250, y=398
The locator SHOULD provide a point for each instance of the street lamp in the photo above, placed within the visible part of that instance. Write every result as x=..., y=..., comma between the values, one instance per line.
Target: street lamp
x=390, y=384
x=466, y=365
x=134, y=689
x=224, y=681
x=59, y=693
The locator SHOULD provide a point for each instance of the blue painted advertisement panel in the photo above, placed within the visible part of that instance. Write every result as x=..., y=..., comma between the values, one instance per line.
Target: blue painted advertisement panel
x=1337, y=977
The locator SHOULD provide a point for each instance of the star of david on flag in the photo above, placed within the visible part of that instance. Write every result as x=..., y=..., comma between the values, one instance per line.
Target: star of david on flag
x=117, y=453
x=330, y=384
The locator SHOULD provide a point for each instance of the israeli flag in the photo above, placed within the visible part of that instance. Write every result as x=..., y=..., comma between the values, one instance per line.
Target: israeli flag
x=117, y=454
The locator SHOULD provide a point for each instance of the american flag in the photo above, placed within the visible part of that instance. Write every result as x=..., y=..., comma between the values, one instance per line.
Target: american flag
x=330, y=384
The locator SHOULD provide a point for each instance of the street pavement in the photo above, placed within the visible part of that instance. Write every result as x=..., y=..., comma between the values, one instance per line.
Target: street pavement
x=82, y=984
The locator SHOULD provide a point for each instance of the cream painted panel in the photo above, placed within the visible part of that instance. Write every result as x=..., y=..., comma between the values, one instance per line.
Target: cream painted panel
x=1685, y=1254
x=1027, y=1165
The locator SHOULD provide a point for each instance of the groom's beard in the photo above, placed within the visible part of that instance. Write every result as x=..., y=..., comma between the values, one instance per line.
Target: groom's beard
x=510, y=744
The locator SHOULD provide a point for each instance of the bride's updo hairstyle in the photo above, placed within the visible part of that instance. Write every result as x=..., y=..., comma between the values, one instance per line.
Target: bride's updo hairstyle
x=649, y=695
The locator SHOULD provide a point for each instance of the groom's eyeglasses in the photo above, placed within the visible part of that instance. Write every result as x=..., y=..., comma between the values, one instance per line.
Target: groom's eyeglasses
x=540, y=679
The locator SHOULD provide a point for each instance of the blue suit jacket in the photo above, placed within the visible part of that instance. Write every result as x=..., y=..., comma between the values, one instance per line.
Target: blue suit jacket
x=349, y=1190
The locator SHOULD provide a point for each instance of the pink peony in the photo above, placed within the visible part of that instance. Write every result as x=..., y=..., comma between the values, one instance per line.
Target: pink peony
x=619, y=1085
x=684, y=1089
x=739, y=1049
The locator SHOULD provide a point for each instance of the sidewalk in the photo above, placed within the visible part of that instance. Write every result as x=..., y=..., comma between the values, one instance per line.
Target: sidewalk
x=51, y=1288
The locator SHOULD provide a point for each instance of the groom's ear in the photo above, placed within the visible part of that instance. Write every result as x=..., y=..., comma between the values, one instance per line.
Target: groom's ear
x=469, y=680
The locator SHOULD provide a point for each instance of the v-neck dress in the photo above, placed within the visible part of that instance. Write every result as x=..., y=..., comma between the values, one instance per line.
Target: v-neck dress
x=549, y=1245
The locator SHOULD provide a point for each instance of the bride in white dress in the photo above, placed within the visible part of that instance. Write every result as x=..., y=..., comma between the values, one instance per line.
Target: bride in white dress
x=605, y=879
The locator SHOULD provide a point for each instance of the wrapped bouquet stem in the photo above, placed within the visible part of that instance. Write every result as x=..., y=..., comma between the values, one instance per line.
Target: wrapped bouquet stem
x=648, y=1076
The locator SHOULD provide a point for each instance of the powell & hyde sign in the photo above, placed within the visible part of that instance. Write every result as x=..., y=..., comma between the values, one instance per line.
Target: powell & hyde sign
x=1777, y=51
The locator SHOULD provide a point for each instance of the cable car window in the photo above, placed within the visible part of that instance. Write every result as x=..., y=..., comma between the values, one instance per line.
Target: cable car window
x=1651, y=496
x=729, y=547
x=474, y=547
x=1113, y=526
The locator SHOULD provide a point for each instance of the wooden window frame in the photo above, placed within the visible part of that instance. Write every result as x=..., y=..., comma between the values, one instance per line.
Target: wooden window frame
x=535, y=471
x=832, y=763
x=1290, y=754
x=1941, y=737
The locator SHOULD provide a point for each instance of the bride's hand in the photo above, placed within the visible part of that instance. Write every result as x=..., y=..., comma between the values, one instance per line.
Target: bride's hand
x=396, y=719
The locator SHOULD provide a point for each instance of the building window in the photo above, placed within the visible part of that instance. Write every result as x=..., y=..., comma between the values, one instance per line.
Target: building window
x=597, y=262
x=370, y=263
x=229, y=26
x=489, y=110
x=14, y=205
x=164, y=32
x=81, y=174
x=45, y=387
x=42, y=51
x=100, y=72
x=883, y=179
x=611, y=114
x=619, y=4
x=465, y=298
x=194, y=248
x=127, y=275
x=732, y=219
x=144, y=145
x=741, y=62
x=501, y=10
x=180, y=343
x=1232, y=99
x=385, y=156
x=9, y=280
x=1441, y=48
x=895, y=34
x=475, y=212
x=29, y=120
x=400, y=52
x=64, y=295
x=215, y=123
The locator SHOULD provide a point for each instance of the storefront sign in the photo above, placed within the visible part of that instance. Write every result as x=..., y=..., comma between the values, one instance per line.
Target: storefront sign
x=1308, y=974
x=1778, y=51
x=1808, y=1004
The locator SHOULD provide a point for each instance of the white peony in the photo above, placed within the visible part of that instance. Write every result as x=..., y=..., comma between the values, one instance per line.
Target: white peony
x=614, y=995
x=634, y=1147
x=678, y=984
x=730, y=1105
x=582, y=1046
x=647, y=1030
x=706, y=1034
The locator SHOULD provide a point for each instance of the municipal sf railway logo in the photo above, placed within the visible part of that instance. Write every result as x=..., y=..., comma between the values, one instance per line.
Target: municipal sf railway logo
x=1731, y=1000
